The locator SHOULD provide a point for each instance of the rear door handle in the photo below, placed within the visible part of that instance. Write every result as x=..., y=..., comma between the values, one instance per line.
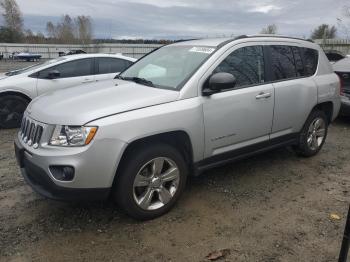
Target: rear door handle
x=263, y=95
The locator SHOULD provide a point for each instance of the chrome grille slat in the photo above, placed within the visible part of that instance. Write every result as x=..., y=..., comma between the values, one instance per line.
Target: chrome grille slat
x=31, y=132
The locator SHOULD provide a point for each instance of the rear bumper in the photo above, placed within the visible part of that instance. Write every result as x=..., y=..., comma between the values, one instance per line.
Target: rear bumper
x=40, y=181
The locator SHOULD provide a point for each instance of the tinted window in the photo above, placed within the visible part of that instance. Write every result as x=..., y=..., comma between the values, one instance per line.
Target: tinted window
x=282, y=62
x=246, y=64
x=81, y=67
x=111, y=65
x=310, y=61
x=298, y=61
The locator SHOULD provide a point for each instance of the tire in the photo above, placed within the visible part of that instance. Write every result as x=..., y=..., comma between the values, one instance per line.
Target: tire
x=138, y=179
x=313, y=135
x=12, y=108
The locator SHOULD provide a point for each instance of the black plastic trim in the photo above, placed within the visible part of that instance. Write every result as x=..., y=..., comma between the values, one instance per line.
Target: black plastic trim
x=245, y=152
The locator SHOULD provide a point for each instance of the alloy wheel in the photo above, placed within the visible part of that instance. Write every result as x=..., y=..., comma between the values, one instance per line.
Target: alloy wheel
x=316, y=133
x=156, y=183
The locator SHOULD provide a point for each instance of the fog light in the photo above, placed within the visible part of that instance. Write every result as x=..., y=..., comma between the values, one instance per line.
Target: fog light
x=62, y=173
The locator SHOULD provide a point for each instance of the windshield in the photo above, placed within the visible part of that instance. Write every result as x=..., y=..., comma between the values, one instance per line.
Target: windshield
x=34, y=67
x=168, y=67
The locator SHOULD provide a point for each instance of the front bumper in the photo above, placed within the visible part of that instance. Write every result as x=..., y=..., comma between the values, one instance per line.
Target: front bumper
x=345, y=106
x=38, y=176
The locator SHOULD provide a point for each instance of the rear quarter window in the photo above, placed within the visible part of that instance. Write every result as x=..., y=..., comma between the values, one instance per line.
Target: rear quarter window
x=310, y=60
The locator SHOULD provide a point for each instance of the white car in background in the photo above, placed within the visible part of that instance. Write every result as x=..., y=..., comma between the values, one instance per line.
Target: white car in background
x=19, y=87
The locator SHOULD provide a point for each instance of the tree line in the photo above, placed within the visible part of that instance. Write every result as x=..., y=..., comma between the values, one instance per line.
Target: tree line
x=79, y=30
x=68, y=30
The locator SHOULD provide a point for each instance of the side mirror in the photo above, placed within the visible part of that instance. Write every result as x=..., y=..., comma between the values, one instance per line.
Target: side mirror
x=218, y=82
x=53, y=74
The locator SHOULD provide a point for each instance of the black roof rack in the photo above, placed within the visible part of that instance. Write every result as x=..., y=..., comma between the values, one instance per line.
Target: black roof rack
x=261, y=35
x=278, y=36
x=185, y=40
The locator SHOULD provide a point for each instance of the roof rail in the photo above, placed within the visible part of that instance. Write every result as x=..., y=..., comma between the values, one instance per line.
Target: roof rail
x=185, y=40
x=280, y=36
x=231, y=40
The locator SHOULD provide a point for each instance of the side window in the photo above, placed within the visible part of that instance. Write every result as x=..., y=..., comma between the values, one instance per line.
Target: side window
x=81, y=67
x=310, y=61
x=107, y=65
x=246, y=64
x=282, y=62
x=298, y=61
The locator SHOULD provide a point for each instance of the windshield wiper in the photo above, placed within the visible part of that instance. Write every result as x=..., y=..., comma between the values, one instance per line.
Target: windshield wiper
x=138, y=80
x=119, y=77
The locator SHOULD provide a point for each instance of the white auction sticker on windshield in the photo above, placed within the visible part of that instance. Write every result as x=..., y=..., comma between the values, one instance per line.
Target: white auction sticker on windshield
x=207, y=50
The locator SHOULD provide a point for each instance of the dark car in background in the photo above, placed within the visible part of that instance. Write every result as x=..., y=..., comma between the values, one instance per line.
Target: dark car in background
x=342, y=69
x=334, y=56
x=72, y=52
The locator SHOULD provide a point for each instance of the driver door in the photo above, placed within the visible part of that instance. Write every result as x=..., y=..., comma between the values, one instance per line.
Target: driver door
x=71, y=74
x=241, y=116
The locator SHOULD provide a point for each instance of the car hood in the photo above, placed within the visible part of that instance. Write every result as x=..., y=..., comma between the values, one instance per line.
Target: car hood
x=82, y=104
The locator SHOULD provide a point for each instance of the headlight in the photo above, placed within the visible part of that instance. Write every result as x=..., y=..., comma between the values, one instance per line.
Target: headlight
x=72, y=135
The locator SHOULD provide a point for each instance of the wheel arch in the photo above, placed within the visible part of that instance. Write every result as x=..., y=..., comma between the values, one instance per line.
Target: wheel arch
x=327, y=108
x=15, y=93
x=179, y=139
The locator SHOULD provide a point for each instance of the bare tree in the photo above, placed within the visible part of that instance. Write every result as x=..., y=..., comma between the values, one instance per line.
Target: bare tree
x=84, y=29
x=66, y=30
x=270, y=29
x=71, y=31
x=13, y=19
x=344, y=21
x=324, y=31
x=51, y=30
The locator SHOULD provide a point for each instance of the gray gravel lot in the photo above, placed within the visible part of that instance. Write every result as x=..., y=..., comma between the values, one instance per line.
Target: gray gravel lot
x=272, y=207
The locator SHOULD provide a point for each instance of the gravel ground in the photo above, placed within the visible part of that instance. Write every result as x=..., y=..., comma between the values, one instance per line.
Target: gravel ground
x=272, y=207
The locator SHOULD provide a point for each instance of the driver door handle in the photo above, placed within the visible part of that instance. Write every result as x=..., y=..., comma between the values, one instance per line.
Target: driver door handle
x=262, y=95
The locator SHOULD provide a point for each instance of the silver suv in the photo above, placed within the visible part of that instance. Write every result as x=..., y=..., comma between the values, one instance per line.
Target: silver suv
x=181, y=109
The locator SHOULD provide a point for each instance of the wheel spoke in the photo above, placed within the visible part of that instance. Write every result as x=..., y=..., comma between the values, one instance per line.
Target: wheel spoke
x=314, y=142
x=309, y=139
x=146, y=199
x=157, y=166
x=141, y=181
x=320, y=132
x=317, y=124
x=170, y=175
x=164, y=195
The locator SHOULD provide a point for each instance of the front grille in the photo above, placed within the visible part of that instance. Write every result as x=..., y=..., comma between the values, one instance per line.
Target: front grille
x=31, y=132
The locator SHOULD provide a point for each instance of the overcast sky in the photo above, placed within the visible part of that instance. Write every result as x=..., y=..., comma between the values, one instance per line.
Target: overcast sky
x=186, y=18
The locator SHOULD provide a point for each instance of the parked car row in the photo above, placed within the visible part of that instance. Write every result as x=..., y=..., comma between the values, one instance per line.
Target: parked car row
x=342, y=68
x=180, y=110
x=19, y=87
